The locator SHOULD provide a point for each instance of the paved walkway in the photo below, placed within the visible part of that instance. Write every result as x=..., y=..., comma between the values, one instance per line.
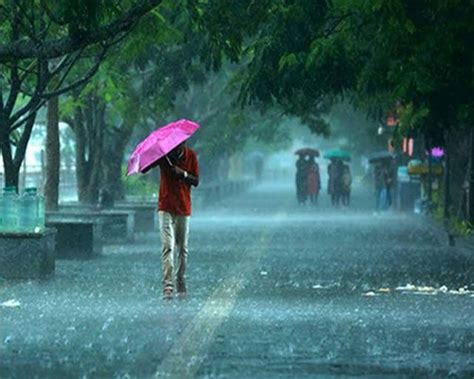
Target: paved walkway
x=276, y=291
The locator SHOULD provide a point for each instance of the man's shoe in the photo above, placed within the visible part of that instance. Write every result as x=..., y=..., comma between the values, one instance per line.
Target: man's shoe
x=181, y=287
x=167, y=294
x=181, y=295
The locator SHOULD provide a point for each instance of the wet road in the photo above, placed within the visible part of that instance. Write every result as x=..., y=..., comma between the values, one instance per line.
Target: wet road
x=275, y=291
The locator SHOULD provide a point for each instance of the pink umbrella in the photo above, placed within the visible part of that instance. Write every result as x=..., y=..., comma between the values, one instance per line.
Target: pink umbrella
x=159, y=143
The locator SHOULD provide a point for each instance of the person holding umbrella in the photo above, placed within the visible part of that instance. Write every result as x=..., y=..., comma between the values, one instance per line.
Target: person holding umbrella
x=346, y=181
x=301, y=179
x=307, y=175
x=384, y=178
x=380, y=176
x=179, y=171
x=335, y=174
x=313, y=180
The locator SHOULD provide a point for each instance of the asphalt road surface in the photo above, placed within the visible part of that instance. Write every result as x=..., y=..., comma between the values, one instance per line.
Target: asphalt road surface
x=276, y=290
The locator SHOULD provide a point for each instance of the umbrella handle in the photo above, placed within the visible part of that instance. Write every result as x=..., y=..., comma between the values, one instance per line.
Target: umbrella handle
x=171, y=164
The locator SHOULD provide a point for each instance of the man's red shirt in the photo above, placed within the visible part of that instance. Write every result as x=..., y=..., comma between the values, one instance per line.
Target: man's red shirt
x=175, y=193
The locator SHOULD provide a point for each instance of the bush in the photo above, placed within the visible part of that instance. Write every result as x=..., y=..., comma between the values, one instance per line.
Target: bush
x=463, y=228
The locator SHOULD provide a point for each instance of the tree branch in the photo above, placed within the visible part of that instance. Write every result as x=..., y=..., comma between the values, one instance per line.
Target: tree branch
x=42, y=80
x=54, y=48
x=1, y=98
x=51, y=15
x=30, y=29
x=14, y=89
x=14, y=77
x=23, y=142
x=40, y=98
x=92, y=71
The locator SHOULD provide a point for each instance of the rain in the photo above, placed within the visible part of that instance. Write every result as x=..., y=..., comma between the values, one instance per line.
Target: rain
x=228, y=190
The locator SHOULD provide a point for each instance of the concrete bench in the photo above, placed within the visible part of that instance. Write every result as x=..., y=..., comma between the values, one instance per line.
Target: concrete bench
x=27, y=255
x=146, y=216
x=76, y=238
x=116, y=225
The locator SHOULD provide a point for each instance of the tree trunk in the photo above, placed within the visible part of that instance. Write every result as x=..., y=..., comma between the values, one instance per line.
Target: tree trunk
x=12, y=163
x=12, y=176
x=459, y=149
x=81, y=161
x=114, y=151
x=53, y=158
x=89, y=124
x=471, y=179
x=447, y=189
x=95, y=153
x=7, y=154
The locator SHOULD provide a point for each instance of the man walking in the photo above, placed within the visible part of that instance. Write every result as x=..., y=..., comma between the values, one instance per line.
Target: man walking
x=179, y=170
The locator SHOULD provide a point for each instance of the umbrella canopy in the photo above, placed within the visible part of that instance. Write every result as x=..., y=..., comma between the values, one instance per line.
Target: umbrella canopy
x=308, y=151
x=159, y=143
x=338, y=154
x=380, y=156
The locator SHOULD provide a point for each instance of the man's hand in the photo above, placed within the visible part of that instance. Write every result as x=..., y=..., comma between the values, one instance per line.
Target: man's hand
x=179, y=172
x=184, y=175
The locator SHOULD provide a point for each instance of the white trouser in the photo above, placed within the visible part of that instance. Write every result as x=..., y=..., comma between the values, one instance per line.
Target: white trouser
x=174, y=232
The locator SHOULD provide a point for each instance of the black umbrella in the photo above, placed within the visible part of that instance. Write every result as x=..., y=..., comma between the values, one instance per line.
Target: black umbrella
x=308, y=151
x=380, y=156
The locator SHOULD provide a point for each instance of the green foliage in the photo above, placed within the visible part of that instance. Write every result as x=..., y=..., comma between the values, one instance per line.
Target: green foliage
x=48, y=48
x=137, y=186
x=463, y=228
x=412, y=118
x=80, y=13
x=380, y=53
x=139, y=80
x=418, y=54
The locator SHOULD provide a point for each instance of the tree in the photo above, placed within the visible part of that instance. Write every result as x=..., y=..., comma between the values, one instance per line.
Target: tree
x=273, y=39
x=303, y=54
x=134, y=88
x=77, y=25
x=41, y=44
x=226, y=128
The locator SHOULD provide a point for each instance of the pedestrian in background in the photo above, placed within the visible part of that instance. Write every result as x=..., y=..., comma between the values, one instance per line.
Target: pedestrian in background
x=390, y=179
x=335, y=169
x=313, y=180
x=346, y=183
x=380, y=181
x=301, y=179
